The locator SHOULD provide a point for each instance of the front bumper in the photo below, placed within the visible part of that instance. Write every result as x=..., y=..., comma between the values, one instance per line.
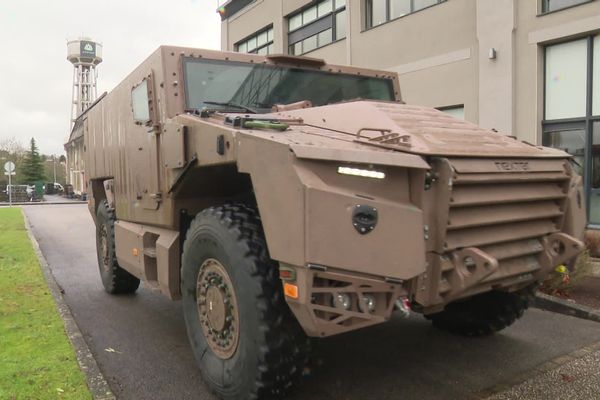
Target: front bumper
x=314, y=306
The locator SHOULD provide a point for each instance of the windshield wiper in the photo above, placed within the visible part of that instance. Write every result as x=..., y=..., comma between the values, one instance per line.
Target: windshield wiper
x=230, y=104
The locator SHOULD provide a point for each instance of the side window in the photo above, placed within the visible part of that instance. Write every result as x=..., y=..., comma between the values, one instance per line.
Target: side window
x=140, y=102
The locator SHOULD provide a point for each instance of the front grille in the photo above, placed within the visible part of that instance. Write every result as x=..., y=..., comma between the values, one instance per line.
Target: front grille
x=504, y=213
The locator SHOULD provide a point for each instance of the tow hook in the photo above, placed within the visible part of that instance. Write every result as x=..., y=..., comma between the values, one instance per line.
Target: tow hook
x=403, y=305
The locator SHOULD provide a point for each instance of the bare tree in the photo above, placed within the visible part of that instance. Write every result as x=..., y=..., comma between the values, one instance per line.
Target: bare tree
x=11, y=149
x=11, y=146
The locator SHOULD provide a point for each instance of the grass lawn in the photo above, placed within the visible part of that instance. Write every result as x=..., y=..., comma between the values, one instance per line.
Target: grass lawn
x=36, y=358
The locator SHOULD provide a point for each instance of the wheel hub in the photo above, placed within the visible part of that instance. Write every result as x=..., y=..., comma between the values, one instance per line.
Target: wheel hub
x=217, y=308
x=104, y=247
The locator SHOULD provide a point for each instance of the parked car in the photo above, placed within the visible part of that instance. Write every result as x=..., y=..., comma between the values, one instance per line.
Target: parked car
x=53, y=188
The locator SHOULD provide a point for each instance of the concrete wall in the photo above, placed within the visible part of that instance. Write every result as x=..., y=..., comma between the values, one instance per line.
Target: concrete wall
x=434, y=51
x=253, y=18
x=335, y=53
x=495, y=63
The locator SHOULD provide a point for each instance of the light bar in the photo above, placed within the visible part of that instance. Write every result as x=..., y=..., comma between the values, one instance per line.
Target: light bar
x=365, y=173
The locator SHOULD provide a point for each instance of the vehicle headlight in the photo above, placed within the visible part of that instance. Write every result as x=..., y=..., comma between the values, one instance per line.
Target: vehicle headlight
x=367, y=303
x=342, y=301
x=365, y=173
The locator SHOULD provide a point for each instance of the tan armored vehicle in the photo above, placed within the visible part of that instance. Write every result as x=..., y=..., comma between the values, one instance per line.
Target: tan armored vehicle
x=282, y=198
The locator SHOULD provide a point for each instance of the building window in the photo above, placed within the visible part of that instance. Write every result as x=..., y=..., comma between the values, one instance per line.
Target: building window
x=455, y=111
x=259, y=43
x=566, y=80
x=230, y=8
x=572, y=110
x=317, y=26
x=378, y=12
x=554, y=5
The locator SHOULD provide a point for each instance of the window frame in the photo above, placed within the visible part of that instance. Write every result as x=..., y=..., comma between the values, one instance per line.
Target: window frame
x=542, y=11
x=149, y=102
x=445, y=109
x=587, y=121
x=255, y=35
x=568, y=119
x=317, y=26
x=368, y=18
x=391, y=80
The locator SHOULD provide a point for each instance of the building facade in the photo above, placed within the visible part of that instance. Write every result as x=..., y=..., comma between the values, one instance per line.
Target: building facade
x=529, y=68
x=75, y=166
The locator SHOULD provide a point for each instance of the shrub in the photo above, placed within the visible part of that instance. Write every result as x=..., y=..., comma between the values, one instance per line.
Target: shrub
x=562, y=280
x=592, y=242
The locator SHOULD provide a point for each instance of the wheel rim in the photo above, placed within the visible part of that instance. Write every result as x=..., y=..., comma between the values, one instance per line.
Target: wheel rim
x=217, y=308
x=104, y=248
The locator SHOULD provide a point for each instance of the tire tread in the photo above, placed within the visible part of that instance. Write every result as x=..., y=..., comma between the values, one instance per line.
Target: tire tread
x=283, y=348
x=122, y=282
x=483, y=314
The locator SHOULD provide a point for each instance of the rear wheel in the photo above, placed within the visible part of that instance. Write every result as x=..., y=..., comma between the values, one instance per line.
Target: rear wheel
x=242, y=333
x=483, y=314
x=114, y=278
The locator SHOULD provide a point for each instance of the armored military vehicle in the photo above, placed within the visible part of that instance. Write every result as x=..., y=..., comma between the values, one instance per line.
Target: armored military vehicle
x=282, y=198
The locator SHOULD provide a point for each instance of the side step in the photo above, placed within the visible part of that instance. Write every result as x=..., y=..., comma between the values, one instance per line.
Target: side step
x=151, y=254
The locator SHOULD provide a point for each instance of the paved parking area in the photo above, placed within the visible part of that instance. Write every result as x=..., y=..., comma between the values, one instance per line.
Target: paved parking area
x=402, y=359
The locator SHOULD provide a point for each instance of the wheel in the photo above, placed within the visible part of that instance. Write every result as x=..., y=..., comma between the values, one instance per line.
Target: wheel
x=114, y=278
x=243, y=335
x=483, y=314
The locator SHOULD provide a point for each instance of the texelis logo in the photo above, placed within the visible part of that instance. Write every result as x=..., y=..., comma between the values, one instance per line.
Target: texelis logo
x=512, y=165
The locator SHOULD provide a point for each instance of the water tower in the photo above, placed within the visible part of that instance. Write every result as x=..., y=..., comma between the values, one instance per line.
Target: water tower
x=85, y=55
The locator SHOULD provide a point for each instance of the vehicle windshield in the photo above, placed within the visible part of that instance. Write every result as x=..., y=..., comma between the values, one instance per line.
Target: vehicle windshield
x=238, y=85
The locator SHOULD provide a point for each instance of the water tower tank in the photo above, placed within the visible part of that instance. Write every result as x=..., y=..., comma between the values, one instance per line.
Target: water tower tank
x=84, y=51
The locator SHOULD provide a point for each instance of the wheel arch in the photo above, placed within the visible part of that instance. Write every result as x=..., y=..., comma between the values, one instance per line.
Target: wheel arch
x=209, y=186
x=102, y=189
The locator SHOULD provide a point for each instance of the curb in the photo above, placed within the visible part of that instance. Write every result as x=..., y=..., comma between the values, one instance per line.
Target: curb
x=96, y=382
x=554, y=304
x=42, y=203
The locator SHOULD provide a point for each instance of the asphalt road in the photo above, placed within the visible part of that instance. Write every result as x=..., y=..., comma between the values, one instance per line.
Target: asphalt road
x=402, y=359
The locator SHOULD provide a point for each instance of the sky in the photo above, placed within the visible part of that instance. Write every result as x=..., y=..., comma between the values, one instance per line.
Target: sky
x=35, y=76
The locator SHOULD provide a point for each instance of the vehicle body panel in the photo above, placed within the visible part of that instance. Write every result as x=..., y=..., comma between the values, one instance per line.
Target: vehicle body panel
x=458, y=210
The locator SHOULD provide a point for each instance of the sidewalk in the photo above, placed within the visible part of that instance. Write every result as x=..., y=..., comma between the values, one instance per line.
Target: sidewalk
x=48, y=199
x=572, y=377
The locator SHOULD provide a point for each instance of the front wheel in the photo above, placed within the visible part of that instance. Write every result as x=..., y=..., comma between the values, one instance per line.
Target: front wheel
x=242, y=333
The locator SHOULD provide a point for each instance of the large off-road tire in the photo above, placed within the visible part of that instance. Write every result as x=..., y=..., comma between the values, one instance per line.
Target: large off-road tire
x=114, y=278
x=483, y=314
x=242, y=333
